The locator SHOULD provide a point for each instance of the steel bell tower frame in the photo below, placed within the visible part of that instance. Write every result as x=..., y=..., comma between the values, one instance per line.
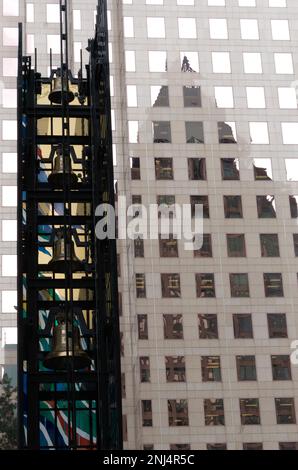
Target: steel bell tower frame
x=67, y=284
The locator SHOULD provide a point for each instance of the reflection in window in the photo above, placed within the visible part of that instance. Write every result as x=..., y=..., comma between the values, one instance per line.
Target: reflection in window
x=162, y=132
x=269, y=244
x=246, y=368
x=224, y=97
x=288, y=445
x=285, y=411
x=295, y=242
x=230, y=168
x=205, y=285
x=143, y=326
x=233, y=207
x=242, y=323
x=208, y=328
x=157, y=61
x=200, y=200
x=266, y=207
x=277, y=325
x=147, y=412
x=239, y=285
x=189, y=61
x=175, y=368
x=214, y=412
x=292, y=169
x=192, y=96
x=293, y=206
x=170, y=285
x=197, y=168
x=217, y=446
x=168, y=248
x=135, y=168
x=211, y=371
x=139, y=248
x=140, y=285
x=236, y=245
x=227, y=132
x=273, y=285
x=262, y=169
x=145, y=369
x=178, y=412
x=164, y=168
x=194, y=132
x=252, y=446
x=281, y=367
x=259, y=133
x=159, y=95
x=206, y=250
x=250, y=411
x=173, y=326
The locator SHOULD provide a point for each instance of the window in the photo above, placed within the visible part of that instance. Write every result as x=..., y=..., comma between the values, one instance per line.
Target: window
x=194, y=132
x=53, y=43
x=145, y=369
x=156, y=27
x=221, y=62
x=9, y=130
x=173, y=326
x=249, y=29
x=208, y=328
x=239, y=285
x=168, y=248
x=192, y=96
x=242, y=326
x=175, y=368
x=9, y=230
x=164, y=168
x=10, y=36
x=9, y=301
x=277, y=325
x=123, y=386
x=281, y=367
x=230, y=168
x=9, y=67
x=246, y=368
x=10, y=7
x=269, y=245
x=162, y=132
x=285, y=411
x=252, y=62
x=133, y=132
x=214, y=412
x=259, y=133
x=283, y=63
x=143, y=326
x=157, y=61
x=227, y=132
x=197, y=168
x=9, y=196
x=53, y=13
x=130, y=61
x=287, y=98
x=170, y=285
x=166, y=205
x=135, y=168
x=280, y=30
x=139, y=248
x=9, y=98
x=277, y=3
x=262, y=169
x=148, y=447
x=255, y=97
x=189, y=61
x=236, y=245
x=187, y=28
x=178, y=412
x=252, y=446
x=9, y=265
x=147, y=412
x=295, y=241
x=273, y=285
x=247, y=3
x=159, y=96
x=288, y=445
x=179, y=446
x=289, y=133
x=266, y=207
x=128, y=25
x=206, y=250
x=205, y=286
x=132, y=98
x=233, y=207
x=29, y=12
x=293, y=206
x=218, y=28
x=217, y=446
x=211, y=371
x=200, y=200
x=224, y=97
x=250, y=411
x=140, y=286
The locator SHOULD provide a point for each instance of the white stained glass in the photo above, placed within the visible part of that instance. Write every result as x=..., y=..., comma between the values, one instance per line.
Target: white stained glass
x=10, y=36
x=277, y=3
x=9, y=162
x=218, y=28
x=289, y=133
x=249, y=29
x=187, y=28
x=133, y=132
x=53, y=42
x=11, y=8
x=292, y=169
x=259, y=133
x=9, y=335
x=224, y=97
x=9, y=98
x=221, y=62
x=9, y=265
x=53, y=13
x=287, y=97
x=9, y=196
x=9, y=130
x=156, y=27
x=9, y=301
x=9, y=230
x=283, y=63
x=157, y=61
x=280, y=30
x=132, y=100
x=255, y=97
x=252, y=62
x=10, y=67
x=77, y=19
x=130, y=61
x=128, y=27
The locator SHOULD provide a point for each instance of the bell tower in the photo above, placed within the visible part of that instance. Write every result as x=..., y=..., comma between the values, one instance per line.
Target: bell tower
x=69, y=380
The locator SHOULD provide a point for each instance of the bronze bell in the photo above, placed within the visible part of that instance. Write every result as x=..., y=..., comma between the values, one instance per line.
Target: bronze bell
x=55, y=95
x=62, y=173
x=64, y=252
x=67, y=351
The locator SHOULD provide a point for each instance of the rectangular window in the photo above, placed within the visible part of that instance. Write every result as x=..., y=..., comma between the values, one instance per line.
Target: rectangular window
x=295, y=242
x=246, y=368
x=208, y=328
x=194, y=132
x=197, y=168
x=164, y=168
x=139, y=248
x=168, y=248
x=281, y=367
x=239, y=285
x=159, y=96
x=233, y=207
x=227, y=132
x=179, y=446
x=288, y=445
x=230, y=168
x=236, y=245
x=285, y=411
x=147, y=413
x=252, y=446
x=192, y=96
x=277, y=325
x=140, y=285
x=200, y=200
x=10, y=7
x=145, y=369
x=189, y=61
x=242, y=323
x=293, y=206
x=269, y=245
x=162, y=132
x=262, y=169
x=157, y=61
x=178, y=412
x=173, y=326
x=214, y=412
x=143, y=326
x=170, y=285
x=135, y=168
x=206, y=250
x=175, y=368
x=217, y=446
x=266, y=207
x=211, y=371
x=250, y=411
x=205, y=285
x=273, y=285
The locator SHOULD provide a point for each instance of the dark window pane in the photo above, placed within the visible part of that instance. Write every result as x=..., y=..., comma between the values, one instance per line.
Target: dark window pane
x=233, y=207
x=139, y=248
x=123, y=387
x=192, y=96
x=205, y=285
x=252, y=446
x=277, y=325
x=168, y=248
x=242, y=325
x=180, y=446
x=147, y=412
x=266, y=207
x=288, y=446
x=250, y=411
x=173, y=326
x=175, y=368
x=148, y=447
x=239, y=285
x=166, y=205
x=246, y=368
x=281, y=367
x=226, y=134
x=219, y=446
x=211, y=371
x=236, y=244
x=200, y=200
x=293, y=206
x=206, y=250
x=135, y=168
x=269, y=244
x=285, y=411
x=261, y=173
x=208, y=328
x=188, y=61
x=273, y=285
x=295, y=241
x=230, y=168
x=214, y=412
x=145, y=369
x=162, y=132
x=162, y=98
x=178, y=412
x=170, y=285
x=194, y=132
x=143, y=326
x=197, y=168
x=164, y=168
x=140, y=285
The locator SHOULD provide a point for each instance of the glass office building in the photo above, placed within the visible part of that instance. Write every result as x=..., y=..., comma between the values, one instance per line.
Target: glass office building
x=204, y=98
